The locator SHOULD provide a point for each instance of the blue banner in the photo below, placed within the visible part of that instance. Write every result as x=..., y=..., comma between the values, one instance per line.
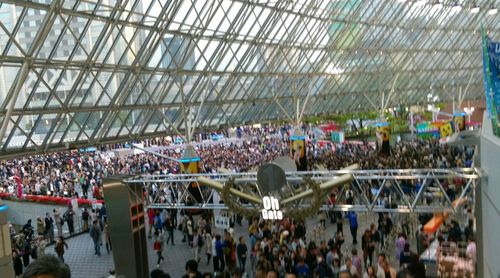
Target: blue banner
x=494, y=57
x=491, y=67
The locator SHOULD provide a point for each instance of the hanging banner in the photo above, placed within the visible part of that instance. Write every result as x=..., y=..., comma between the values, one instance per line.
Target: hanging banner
x=491, y=70
x=190, y=165
x=428, y=130
x=438, y=130
x=459, y=121
x=383, y=133
x=298, y=149
x=446, y=129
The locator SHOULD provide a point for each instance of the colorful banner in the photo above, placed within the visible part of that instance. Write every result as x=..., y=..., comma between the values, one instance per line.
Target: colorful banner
x=459, y=121
x=428, y=130
x=383, y=133
x=436, y=130
x=298, y=149
x=491, y=68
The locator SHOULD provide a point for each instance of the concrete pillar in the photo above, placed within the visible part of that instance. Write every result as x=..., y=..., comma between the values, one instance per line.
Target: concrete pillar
x=127, y=228
x=6, y=265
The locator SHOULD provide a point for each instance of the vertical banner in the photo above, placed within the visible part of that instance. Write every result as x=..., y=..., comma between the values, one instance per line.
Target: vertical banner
x=446, y=129
x=190, y=165
x=298, y=149
x=383, y=133
x=459, y=121
x=491, y=69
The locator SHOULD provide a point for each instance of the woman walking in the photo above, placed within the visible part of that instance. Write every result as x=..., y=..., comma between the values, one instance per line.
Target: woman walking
x=158, y=247
x=208, y=245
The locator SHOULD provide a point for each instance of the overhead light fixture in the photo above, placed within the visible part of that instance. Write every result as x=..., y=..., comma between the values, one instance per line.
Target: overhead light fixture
x=474, y=9
x=438, y=4
x=456, y=7
x=492, y=10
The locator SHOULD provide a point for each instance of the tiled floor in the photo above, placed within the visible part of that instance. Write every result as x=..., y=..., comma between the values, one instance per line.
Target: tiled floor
x=84, y=264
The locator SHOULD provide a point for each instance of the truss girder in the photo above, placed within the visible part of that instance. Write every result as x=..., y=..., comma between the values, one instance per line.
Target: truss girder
x=391, y=190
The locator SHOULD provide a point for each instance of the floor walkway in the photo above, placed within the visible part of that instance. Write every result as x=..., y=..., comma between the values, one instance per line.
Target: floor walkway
x=84, y=264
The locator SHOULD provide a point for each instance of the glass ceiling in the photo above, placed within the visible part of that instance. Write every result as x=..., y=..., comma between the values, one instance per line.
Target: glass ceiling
x=87, y=72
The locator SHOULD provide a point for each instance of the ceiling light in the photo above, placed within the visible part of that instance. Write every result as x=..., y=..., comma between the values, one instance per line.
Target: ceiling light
x=492, y=10
x=437, y=4
x=474, y=9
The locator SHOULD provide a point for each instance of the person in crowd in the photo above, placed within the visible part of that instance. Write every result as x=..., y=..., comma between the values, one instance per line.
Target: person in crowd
x=400, y=245
x=208, y=244
x=380, y=266
x=356, y=261
x=170, y=227
x=59, y=247
x=96, y=235
x=375, y=239
x=49, y=228
x=47, y=266
x=198, y=242
x=158, y=247
x=190, y=230
x=348, y=266
x=370, y=272
x=368, y=248
x=389, y=271
x=353, y=225
x=242, y=251
x=229, y=251
x=28, y=228
x=158, y=273
x=102, y=215
x=85, y=219
x=17, y=263
x=192, y=270
x=69, y=218
x=40, y=226
x=59, y=222
x=151, y=221
x=219, y=254
x=302, y=269
x=107, y=238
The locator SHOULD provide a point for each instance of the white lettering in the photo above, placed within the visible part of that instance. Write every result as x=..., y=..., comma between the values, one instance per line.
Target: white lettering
x=271, y=209
x=275, y=203
x=267, y=202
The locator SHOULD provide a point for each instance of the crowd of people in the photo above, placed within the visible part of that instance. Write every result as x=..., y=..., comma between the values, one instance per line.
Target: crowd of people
x=278, y=249
x=275, y=249
x=31, y=240
x=80, y=173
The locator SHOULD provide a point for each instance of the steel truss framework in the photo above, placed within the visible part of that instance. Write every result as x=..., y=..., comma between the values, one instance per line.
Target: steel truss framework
x=371, y=190
x=80, y=72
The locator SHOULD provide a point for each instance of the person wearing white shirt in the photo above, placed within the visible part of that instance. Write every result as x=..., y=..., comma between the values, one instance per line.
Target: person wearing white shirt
x=349, y=267
x=380, y=266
